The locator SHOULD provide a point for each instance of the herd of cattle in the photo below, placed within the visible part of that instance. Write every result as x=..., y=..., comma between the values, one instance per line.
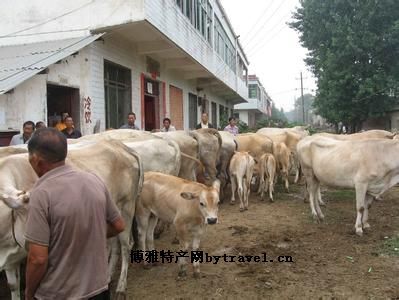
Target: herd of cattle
x=178, y=177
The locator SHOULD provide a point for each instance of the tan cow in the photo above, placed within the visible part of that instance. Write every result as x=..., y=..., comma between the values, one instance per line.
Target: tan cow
x=290, y=138
x=117, y=165
x=370, y=166
x=254, y=143
x=267, y=171
x=282, y=156
x=241, y=169
x=188, y=205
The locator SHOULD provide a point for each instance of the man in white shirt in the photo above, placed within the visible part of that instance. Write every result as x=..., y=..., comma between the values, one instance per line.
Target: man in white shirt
x=166, y=126
x=23, y=138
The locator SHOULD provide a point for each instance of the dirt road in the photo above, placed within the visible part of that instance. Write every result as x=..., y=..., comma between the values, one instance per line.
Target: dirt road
x=329, y=260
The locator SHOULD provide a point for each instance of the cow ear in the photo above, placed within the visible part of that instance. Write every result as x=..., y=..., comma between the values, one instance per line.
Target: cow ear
x=189, y=196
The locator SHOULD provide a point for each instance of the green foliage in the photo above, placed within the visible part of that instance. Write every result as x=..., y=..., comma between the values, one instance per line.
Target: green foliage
x=353, y=52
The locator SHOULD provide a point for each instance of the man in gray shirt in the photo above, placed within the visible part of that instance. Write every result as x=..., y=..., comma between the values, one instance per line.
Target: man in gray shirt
x=23, y=138
x=131, y=118
x=70, y=217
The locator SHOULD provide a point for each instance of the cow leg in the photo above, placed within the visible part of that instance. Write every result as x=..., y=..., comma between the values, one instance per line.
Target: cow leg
x=233, y=189
x=113, y=256
x=152, y=223
x=13, y=279
x=321, y=202
x=361, y=190
x=311, y=186
x=271, y=189
x=247, y=190
x=369, y=200
x=126, y=244
x=182, y=235
x=285, y=177
x=316, y=198
x=241, y=193
x=196, y=243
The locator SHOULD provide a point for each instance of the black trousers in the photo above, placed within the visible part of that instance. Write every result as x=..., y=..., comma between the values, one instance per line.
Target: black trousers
x=103, y=296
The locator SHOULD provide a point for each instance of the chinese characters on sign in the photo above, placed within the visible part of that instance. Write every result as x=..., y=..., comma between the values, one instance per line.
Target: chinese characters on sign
x=87, y=109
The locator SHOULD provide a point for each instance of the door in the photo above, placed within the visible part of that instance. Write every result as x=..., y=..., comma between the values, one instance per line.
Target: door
x=176, y=107
x=149, y=113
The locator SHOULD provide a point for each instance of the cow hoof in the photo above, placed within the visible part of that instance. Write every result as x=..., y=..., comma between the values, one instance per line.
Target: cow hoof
x=232, y=202
x=359, y=233
x=246, y=208
x=366, y=226
x=197, y=275
x=241, y=209
x=120, y=296
x=271, y=200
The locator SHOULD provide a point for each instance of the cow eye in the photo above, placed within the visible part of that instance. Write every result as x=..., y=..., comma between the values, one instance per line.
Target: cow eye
x=202, y=204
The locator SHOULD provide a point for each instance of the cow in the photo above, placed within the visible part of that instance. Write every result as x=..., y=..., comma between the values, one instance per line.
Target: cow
x=266, y=169
x=117, y=165
x=209, y=145
x=282, y=156
x=254, y=143
x=369, y=134
x=189, y=205
x=290, y=138
x=227, y=150
x=370, y=166
x=188, y=146
x=10, y=150
x=241, y=170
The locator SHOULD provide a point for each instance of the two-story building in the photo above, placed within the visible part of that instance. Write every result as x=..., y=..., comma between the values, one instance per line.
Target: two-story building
x=259, y=104
x=99, y=60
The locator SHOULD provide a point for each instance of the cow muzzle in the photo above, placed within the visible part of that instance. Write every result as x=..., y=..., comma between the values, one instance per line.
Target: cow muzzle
x=211, y=221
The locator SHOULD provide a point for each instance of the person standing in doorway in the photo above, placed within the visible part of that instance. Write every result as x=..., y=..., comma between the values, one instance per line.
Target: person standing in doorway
x=204, y=122
x=40, y=124
x=71, y=214
x=61, y=125
x=131, y=119
x=70, y=132
x=23, y=138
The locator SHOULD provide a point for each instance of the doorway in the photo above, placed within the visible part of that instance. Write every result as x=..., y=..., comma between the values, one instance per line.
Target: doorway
x=176, y=107
x=62, y=99
x=151, y=105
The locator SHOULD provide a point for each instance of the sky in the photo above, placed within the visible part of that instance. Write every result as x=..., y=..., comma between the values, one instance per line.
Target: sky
x=273, y=49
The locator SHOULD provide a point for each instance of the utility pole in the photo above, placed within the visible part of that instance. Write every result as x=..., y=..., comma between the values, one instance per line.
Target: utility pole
x=303, y=101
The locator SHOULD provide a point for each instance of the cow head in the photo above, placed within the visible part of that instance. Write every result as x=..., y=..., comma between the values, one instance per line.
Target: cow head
x=16, y=199
x=208, y=200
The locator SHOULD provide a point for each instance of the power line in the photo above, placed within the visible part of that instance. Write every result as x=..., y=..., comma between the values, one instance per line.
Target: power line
x=271, y=30
x=261, y=46
x=264, y=24
x=257, y=21
x=13, y=34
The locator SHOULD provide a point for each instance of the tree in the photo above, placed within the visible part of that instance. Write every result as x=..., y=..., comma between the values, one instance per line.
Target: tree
x=353, y=52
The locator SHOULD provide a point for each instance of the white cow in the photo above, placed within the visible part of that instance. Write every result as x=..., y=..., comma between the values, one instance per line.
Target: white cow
x=370, y=166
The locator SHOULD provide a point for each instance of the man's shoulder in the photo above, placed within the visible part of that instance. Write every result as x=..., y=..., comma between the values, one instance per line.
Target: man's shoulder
x=124, y=126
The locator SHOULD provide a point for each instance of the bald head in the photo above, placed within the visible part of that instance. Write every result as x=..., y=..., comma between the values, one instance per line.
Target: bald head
x=50, y=144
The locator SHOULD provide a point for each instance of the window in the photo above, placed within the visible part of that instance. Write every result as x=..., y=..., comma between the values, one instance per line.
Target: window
x=192, y=109
x=200, y=13
x=214, y=114
x=223, y=46
x=118, y=98
x=253, y=91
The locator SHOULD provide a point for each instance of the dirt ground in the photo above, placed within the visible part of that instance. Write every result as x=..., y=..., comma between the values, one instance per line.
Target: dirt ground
x=330, y=261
